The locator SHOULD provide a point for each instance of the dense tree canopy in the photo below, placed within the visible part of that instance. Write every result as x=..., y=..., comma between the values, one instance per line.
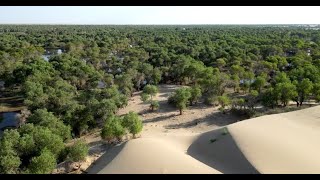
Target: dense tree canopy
x=76, y=78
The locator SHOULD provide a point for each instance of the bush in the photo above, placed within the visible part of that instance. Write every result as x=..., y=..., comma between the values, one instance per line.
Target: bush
x=27, y=145
x=248, y=113
x=147, y=96
x=180, y=98
x=9, y=158
x=154, y=105
x=195, y=94
x=224, y=101
x=112, y=128
x=44, y=138
x=210, y=101
x=78, y=151
x=46, y=119
x=133, y=123
x=9, y=164
x=43, y=164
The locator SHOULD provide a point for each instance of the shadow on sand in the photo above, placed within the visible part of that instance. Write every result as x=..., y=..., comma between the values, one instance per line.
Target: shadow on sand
x=223, y=154
x=215, y=118
x=105, y=159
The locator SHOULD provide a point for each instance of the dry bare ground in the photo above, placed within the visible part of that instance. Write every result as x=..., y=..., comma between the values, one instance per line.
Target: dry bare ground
x=196, y=119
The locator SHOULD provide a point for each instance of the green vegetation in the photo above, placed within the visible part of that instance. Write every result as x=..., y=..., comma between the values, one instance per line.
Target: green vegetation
x=132, y=122
x=180, y=98
x=252, y=69
x=224, y=101
x=113, y=129
x=149, y=91
x=195, y=94
x=78, y=151
x=42, y=164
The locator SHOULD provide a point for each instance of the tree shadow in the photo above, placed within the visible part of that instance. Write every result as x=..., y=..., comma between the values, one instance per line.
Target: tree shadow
x=224, y=154
x=105, y=159
x=159, y=118
x=215, y=118
x=164, y=108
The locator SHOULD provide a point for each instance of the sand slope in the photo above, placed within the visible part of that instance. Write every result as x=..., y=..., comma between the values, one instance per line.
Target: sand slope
x=150, y=156
x=176, y=153
x=281, y=143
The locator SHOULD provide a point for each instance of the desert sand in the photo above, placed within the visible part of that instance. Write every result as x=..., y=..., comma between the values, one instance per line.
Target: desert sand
x=281, y=143
x=202, y=140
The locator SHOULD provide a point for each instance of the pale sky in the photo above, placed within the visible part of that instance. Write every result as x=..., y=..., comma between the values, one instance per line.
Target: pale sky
x=159, y=15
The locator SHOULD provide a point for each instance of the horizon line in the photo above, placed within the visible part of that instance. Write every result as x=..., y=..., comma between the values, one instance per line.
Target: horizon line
x=147, y=24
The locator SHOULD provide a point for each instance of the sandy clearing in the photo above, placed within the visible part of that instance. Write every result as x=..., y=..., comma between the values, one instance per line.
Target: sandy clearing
x=196, y=119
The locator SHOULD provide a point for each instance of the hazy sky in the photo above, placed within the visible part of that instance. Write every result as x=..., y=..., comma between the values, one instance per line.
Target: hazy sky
x=159, y=15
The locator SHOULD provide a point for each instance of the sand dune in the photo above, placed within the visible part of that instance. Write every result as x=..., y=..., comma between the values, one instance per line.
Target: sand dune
x=149, y=156
x=280, y=143
x=177, y=153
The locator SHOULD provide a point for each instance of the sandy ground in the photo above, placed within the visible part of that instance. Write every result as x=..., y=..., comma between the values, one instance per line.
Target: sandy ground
x=281, y=143
x=197, y=118
x=203, y=140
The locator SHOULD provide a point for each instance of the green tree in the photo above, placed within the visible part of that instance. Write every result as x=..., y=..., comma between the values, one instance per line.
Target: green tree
x=180, y=98
x=132, y=122
x=304, y=89
x=235, y=82
x=9, y=158
x=156, y=76
x=221, y=63
x=269, y=98
x=259, y=83
x=112, y=128
x=44, y=138
x=43, y=164
x=196, y=93
x=46, y=119
x=286, y=91
x=224, y=101
x=149, y=91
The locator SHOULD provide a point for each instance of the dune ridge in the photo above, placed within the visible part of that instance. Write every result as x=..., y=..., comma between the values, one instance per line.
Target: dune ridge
x=278, y=143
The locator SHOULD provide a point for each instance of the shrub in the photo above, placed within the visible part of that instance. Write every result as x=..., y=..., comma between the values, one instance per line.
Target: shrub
x=180, y=98
x=46, y=119
x=133, y=123
x=112, y=128
x=210, y=100
x=154, y=105
x=195, y=94
x=78, y=151
x=147, y=96
x=43, y=164
x=224, y=101
x=44, y=138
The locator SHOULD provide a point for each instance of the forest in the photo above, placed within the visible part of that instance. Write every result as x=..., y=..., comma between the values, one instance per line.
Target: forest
x=66, y=80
